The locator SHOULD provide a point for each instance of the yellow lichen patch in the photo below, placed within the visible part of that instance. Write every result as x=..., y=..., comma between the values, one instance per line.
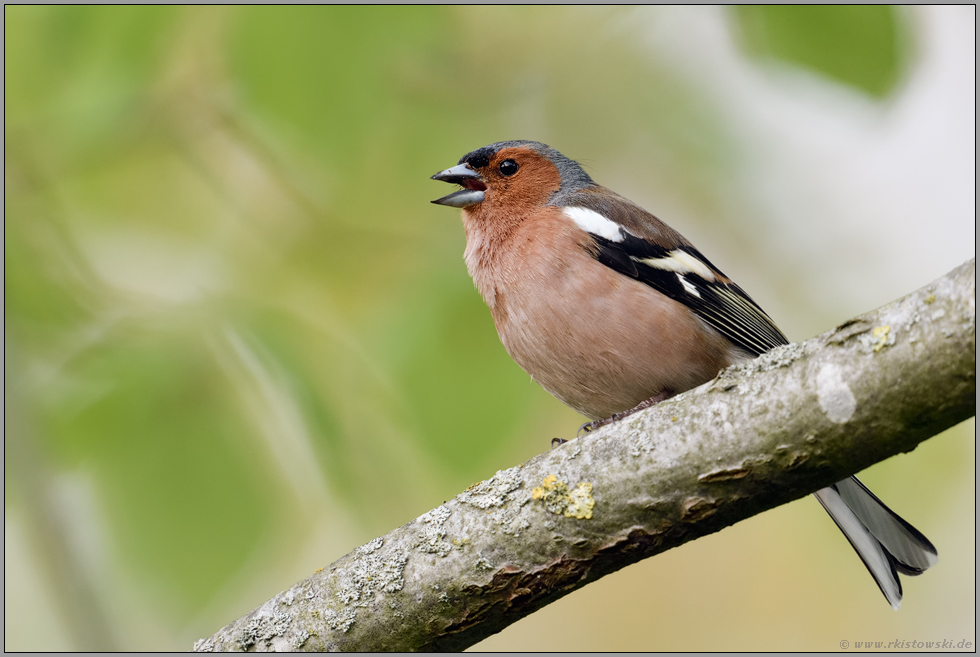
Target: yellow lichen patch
x=546, y=485
x=931, y=298
x=580, y=502
x=576, y=503
x=318, y=570
x=880, y=335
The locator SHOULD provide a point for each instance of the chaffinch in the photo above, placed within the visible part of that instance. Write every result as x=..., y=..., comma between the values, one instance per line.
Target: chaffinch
x=612, y=310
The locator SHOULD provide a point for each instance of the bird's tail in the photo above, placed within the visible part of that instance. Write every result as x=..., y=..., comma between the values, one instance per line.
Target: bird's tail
x=886, y=544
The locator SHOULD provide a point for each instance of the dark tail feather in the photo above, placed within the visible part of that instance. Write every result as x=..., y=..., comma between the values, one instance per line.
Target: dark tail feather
x=886, y=544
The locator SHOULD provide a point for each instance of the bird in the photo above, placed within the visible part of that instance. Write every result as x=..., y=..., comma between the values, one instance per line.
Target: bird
x=611, y=310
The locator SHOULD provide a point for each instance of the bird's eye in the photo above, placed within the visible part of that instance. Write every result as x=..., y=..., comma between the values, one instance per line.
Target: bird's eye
x=509, y=167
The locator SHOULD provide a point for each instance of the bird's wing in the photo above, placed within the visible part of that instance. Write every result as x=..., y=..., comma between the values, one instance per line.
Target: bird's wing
x=633, y=242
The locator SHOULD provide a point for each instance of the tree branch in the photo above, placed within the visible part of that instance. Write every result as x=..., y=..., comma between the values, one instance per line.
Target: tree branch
x=759, y=435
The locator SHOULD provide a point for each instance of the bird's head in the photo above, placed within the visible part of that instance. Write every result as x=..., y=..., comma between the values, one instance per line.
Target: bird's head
x=520, y=176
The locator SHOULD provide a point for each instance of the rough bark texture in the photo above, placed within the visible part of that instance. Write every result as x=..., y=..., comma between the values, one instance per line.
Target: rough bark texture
x=759, y=435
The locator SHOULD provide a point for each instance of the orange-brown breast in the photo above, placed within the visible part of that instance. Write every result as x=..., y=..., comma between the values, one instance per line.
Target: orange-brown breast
x=599, y=341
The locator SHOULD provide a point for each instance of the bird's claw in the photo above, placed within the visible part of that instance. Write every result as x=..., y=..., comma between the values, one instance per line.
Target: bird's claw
x=589, y=427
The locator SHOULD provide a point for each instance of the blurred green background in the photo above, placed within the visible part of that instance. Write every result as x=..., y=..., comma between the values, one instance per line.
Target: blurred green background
x=240, y=342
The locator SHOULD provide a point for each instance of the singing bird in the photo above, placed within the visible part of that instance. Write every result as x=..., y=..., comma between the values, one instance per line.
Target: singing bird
x=611, y=310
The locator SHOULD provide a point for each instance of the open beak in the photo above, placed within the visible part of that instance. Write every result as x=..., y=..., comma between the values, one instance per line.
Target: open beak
x=471, y=182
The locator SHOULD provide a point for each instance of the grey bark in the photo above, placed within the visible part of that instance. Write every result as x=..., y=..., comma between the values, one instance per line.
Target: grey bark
x=759, y=435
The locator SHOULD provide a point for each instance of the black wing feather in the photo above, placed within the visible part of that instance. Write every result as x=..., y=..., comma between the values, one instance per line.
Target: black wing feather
x=723, y=306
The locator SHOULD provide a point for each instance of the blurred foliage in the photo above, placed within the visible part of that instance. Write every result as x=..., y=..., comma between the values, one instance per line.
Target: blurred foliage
x=863, y=46
x=238, y=338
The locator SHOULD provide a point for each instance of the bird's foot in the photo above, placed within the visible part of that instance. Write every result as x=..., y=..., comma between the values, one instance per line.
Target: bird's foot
x=555, y=442
x=589, y=427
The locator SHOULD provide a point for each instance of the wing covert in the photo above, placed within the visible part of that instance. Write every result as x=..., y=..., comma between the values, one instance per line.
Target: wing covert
x=686, y=276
